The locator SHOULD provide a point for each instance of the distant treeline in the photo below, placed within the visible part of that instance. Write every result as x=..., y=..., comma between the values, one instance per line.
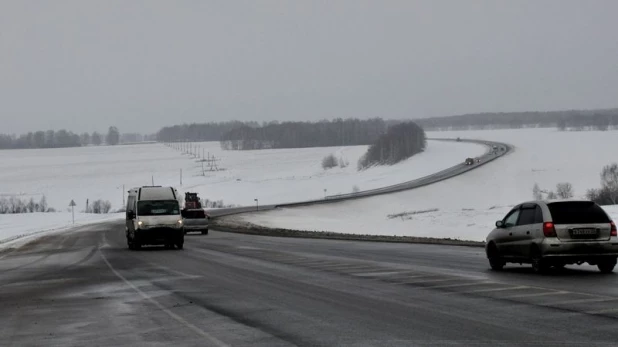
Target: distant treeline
x=338, y=132
x=400, y=142
x=200, y=131
x=563, y=120
x=64, y=138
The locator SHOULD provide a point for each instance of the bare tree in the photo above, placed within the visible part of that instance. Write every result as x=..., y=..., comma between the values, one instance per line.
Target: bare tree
x=343, y=163
x=96, y=139
x=85, y=139
x=329, y=162
x=564, y=190
x=113, y=136
x=609, y=182
x=536, y=192
x=99, y=207
x=551, y=195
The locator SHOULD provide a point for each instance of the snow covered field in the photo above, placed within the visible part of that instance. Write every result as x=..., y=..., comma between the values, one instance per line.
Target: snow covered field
x=467, y=205
x=272, y=176
x=17, y=226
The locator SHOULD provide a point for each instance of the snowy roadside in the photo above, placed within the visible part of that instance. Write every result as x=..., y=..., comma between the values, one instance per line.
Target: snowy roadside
x=272, y=176
x=464, y=207
x=18, y=228
x=452, y=225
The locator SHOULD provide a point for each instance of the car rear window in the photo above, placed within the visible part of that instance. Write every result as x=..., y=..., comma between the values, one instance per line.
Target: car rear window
x=194, y=214
x=577, y=212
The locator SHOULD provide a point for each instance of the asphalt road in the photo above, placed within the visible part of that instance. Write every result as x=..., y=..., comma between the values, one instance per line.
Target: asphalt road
x=85, y=288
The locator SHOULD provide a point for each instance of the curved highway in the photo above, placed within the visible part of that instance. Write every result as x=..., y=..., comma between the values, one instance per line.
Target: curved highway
x=458, y=169
x=85, y=287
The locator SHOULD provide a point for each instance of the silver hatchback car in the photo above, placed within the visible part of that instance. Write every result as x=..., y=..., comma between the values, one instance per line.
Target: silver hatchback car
x=547, y=234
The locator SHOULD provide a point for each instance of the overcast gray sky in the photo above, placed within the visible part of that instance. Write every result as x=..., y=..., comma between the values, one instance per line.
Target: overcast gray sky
x=139, y=65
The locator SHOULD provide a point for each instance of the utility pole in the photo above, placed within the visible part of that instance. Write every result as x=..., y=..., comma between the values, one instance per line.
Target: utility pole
x=181, y=177
x=152, y=180
x=72, y=204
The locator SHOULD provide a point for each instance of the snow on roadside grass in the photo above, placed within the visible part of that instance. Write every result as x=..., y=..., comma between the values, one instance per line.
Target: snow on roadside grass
x=272, y=176
x=543, y=156
x=16, y=226
x=462, y=224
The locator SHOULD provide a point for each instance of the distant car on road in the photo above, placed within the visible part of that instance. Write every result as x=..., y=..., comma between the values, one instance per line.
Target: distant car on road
x=194, y=216
x=469, y=161
x=195, y=220
x=547, y=234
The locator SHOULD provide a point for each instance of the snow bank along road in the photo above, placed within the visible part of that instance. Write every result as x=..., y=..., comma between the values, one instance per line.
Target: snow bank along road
x=85, y=288
x=453, y=171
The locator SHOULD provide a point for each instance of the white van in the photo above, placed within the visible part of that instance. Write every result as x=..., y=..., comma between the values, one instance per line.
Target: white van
x=153, y=217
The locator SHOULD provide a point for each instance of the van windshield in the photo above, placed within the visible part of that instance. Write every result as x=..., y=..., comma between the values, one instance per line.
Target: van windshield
x=158, y=208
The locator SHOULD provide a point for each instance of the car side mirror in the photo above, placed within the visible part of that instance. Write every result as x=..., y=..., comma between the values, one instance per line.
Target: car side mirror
x=500, y=224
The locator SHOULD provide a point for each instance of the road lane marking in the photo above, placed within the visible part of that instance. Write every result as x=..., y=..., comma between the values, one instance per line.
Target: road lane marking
x=457, y=285
x=609, y=310
x=582, y=301
x=176, y=317
x=375, y=274
x=535, y=294
x=492, y=290
x=399, y=279
x=428, y=281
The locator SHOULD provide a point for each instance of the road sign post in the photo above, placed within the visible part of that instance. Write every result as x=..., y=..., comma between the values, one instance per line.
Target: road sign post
x=72, y=204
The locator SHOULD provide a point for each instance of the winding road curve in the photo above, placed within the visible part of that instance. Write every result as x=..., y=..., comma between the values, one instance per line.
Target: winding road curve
x=450, y=172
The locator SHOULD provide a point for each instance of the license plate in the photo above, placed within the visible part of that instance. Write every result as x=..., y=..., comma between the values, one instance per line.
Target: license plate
x=584, y=233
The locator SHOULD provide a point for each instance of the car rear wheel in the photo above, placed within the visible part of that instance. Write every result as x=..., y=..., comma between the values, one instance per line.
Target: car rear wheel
x=539, y=265
x=607, y=266
x=205, y=232
x=495, y=261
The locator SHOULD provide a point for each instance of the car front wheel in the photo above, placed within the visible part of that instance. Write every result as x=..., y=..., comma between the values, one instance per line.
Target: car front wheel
x=495, y=261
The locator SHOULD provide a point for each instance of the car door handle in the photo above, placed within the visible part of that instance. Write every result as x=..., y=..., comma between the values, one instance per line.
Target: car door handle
x=510, y=234
x=528, y=232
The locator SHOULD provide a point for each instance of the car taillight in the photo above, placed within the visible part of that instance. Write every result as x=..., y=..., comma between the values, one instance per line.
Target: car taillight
x=614, y=232
x=549, y=230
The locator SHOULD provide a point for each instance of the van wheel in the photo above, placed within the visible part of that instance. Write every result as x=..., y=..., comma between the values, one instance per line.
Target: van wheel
x=136, y=245
x=205, y=232
x=180, y=245
x=607, y=266
x=495, y=261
